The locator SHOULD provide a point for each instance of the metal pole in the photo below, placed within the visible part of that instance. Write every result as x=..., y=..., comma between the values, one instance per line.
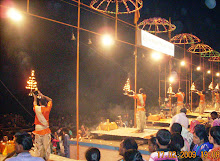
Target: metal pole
x=203, y=68
x=28, y=6
x=191, y=82
x=116, y=20
x=165, y=81
x=159, y=84
x=77, y=85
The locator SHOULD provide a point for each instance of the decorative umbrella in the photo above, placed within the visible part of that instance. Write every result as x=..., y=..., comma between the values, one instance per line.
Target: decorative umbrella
x=156, y=25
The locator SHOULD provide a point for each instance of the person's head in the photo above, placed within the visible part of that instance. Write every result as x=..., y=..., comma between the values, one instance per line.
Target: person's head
x=23, y=142
x=176, y=128
x=180, y=90
x=43, y=102
x=65, y=130
x=214, y=135
x=141, y=90
x=126, y=144
x=177, y=142
x=93, y=154
x=214, y=115
x=200, y=135
x=152, y=144
x=133, y=155
x=163, y=137
x=183, y=110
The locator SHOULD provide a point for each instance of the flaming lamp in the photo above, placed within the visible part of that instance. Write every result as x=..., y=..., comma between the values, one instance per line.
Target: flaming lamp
x=170, y=90
x=31, y=83
x=193, y=87
x=211, y=86
x=127, y=87
x=217, y=87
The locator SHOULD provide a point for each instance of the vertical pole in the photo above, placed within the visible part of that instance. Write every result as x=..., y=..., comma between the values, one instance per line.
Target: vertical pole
x=191, y=82
x=170, y=101
x=179, y=75
x=159, y=83
x=213, y=84
x=165, y=81
x=116, y=21
x=203, y=76
x=77, y=84
x=28, y=6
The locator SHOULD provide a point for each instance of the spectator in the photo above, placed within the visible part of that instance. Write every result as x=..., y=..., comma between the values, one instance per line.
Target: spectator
x=187, y=136
x=65, y=142
x=181, y=118
x=133, y=155
x=215, y=121
x=126, y=144
x=93, y=154
x=176, y=143
x=214, y=138
x=163, y=138
x=152, y=144
x=200, y=139
x=23, y=143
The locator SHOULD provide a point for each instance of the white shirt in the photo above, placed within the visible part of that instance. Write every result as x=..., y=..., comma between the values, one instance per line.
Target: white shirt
x=181, y=119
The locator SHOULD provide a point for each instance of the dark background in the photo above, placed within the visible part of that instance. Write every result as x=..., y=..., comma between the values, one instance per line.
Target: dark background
x=47, y=48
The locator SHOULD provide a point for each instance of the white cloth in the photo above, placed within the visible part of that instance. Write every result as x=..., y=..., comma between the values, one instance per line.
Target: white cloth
x=141, y=120
x=181, y=119
x=188, y=136
x=25, y=156
x=42, y=144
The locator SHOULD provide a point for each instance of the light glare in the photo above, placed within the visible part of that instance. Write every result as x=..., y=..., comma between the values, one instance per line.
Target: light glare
x=107, y=40
x=14, y=14
x=182, y=63
x=217, y=74
x=171, y=79
x=209, y=71
x=156, y=56
x=198, y=68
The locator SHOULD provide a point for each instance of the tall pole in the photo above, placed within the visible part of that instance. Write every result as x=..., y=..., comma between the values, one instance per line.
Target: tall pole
x=170, y=101
x=77, y=85
x=159, y=84
x=213, y=84
x=203, y=76
x=116, y=20
x=191, y=82
x=135, y=71
x=28, y=3
x=165, y=81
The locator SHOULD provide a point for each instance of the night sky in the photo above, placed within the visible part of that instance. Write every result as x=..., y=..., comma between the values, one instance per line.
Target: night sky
x=47, y=48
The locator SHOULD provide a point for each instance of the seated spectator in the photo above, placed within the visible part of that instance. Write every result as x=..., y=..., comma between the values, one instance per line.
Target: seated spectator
x=214, y=121
x=133, y=155
x=163, y=138
x=176, y=143
x=200, y=139
x=93, y=154
x=177, y=128
x=23, y=143
x=214, y=138
x=152, y=144
x=126, y=144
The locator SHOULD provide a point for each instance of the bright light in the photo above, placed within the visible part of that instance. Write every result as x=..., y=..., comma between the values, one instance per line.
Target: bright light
x=107, y=40
x=182, y=63
x=171, y=79
x=217, y=74
x=156, y=56
x=209, y=71
x=14, y=14
x=198, y=68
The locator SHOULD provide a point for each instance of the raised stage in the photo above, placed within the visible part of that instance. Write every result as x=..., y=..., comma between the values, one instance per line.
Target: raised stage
x=127, y=132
